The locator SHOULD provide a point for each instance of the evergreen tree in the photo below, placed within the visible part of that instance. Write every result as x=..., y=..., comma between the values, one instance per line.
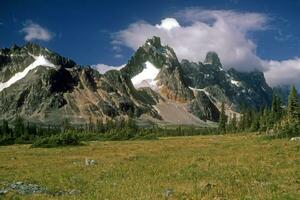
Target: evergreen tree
x=293, y=106
x=223, y=119
x=19, y=127
x=5, y=128
x=91, y=125
x=242, y=121
x=263, y=119
x=276, y=110
x=65, y=125
x=131, y=124
x=232, y=126
x=255, y=122
x=99, y=125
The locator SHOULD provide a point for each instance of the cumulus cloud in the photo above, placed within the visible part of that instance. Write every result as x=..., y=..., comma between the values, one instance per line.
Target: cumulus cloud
x=102, y=68
x=168, y=24
x=223, y=31
x=285, y=72
x=35, y=31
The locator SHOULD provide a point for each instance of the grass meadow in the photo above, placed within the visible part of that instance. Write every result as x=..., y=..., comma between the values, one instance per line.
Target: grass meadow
x=198, y=167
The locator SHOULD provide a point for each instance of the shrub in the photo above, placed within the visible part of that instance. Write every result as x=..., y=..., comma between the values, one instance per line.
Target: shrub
x=122, y=134
x=289, y=130
x=6, y=140
x=65, y=139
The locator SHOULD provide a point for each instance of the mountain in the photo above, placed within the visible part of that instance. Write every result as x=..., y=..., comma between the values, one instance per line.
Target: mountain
x=40, y=85
x=154, y=86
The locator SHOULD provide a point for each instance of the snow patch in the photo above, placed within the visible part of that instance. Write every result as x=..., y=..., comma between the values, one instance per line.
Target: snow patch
x=202, y=90
x=236, y=83
x=206, y=75
x=147, y=77
x=39, y=61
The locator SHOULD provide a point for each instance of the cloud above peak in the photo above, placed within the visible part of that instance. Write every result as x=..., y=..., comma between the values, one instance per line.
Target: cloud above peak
x=194, y=32
x=168, y=24
x=34, y=31
x=224, y=32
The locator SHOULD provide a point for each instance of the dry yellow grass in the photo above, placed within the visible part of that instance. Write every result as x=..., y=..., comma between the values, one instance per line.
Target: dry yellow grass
x=199, y=167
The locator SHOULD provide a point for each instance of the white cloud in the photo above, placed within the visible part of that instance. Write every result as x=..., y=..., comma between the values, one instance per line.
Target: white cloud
x=102, y=68
x=168, y=24
x=223, y=31
x=34, y=31
x=285, y=72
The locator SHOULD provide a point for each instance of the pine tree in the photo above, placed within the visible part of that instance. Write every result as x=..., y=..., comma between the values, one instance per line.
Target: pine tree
x=5, y=128
x=293, y=106
x=276, y=110
x=19, y=127
x=255, y=122
x=222, y=120
x=232, y=126
x=91, y=125
x=65, y=125
x=100, y=127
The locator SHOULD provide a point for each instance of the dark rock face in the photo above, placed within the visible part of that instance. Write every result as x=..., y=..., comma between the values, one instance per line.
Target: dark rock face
x=240, y=88
x=213, y=59
x=204, y=108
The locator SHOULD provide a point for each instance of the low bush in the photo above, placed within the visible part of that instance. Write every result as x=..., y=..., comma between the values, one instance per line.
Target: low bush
x=288, y=130
x=6, y=140
x=65, y=139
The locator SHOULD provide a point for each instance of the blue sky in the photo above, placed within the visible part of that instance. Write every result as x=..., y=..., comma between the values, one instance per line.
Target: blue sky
x=85, y=30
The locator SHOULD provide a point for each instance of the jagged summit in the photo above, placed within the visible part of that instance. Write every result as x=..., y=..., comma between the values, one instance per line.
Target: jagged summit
x=213, y=59
x=154, y=41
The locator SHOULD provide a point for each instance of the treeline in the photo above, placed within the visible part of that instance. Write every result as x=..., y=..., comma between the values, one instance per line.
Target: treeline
x=26, y=132
x=67, y=134
x=278, y=120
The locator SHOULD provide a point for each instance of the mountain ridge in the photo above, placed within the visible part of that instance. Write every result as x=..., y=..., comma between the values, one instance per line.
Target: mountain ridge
x=81, y=93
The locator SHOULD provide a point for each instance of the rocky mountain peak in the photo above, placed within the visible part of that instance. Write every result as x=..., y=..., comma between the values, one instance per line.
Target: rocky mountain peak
x=213, y=59
x=154, y=41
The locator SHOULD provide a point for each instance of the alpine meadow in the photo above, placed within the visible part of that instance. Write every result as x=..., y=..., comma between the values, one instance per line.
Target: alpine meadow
x=197, y=100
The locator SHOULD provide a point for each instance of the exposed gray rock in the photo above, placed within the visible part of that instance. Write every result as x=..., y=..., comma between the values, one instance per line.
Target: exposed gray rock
x=90, y=162
x=167, y=193
x=74, y=192
x=29, y=188
x=3, y=191
x=24, y=188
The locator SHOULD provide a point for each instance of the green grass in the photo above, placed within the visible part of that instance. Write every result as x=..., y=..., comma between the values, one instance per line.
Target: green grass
x=198, y=167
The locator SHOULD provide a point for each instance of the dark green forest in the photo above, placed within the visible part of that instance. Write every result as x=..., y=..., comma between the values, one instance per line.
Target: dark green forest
x=277, y=121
